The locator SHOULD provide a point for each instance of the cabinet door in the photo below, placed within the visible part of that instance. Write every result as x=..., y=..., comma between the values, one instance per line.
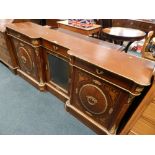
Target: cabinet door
x=102, y=101
x=58, y=73
x=26, y=58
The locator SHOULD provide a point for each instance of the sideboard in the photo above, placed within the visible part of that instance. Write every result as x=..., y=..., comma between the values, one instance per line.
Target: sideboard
x=96, y=83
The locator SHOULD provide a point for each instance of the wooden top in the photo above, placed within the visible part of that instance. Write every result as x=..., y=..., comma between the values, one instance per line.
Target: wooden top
x=65, y=22
x=136, y=69
x=27, y=28
x=125, y=34
x=91, y=39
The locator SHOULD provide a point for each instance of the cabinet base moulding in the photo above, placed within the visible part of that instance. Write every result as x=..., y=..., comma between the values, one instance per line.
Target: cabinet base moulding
x=12, y=69
x=29, y=79
x=88, y=121
x=59, y=94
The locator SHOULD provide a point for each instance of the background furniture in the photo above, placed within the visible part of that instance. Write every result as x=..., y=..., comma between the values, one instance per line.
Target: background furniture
x=52, y=22
x=86, y=31
x=145, y=49
x=123, y=34
x=144, y=25
x=6, y=51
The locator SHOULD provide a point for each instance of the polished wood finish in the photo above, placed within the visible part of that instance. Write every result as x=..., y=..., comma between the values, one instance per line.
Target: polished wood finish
x=143, y=119
x=85, y=31
x=91, y=39
x=98, y=89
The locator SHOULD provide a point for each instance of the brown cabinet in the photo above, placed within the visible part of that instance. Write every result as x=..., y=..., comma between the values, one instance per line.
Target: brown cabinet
x=98, y=82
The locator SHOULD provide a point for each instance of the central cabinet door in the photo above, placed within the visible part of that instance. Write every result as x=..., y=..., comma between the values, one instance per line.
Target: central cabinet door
x=59, y=71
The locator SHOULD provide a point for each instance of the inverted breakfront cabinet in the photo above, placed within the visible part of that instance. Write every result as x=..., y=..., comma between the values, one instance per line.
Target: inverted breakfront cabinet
x=96, y=83
x=57, y=69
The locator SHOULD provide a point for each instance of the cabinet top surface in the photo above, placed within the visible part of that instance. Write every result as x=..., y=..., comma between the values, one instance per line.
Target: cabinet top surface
x=136, y=69
x=27, y=28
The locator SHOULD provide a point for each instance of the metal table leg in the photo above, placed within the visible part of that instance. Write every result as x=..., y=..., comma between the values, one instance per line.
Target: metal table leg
x=127, y=47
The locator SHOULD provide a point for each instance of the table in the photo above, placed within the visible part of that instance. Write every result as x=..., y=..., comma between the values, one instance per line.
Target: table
x=140, y=24
x=124, y=34
x=86, y=31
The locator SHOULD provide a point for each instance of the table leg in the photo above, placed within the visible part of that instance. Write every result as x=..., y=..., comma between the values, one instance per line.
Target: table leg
x=127, y=47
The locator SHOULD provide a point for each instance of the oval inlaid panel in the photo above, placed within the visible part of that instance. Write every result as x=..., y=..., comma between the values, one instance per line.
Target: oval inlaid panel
x=24, y=59
x=93, y=99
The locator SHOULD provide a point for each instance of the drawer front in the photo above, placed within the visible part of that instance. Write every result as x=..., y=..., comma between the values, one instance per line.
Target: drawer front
x=114, y=79
x=98, y=99
x=56, y=49
x=26, y=58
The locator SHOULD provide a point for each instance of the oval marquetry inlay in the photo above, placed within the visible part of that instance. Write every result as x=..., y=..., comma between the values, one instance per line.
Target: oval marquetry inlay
x=93, y=99
x=24, y=59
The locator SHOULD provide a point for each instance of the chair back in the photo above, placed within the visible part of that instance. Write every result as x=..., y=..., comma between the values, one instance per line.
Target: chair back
x=145, y=53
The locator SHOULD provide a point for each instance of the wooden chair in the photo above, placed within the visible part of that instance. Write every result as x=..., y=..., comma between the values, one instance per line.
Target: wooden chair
x=145, y=53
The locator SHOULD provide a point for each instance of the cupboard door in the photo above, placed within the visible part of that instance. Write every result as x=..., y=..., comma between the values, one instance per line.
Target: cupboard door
x=101, y=101
x=58, y=71
x=26, y=59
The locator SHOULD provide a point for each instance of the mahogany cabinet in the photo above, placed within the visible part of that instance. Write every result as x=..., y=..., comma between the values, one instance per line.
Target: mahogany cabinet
x=98, y=82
